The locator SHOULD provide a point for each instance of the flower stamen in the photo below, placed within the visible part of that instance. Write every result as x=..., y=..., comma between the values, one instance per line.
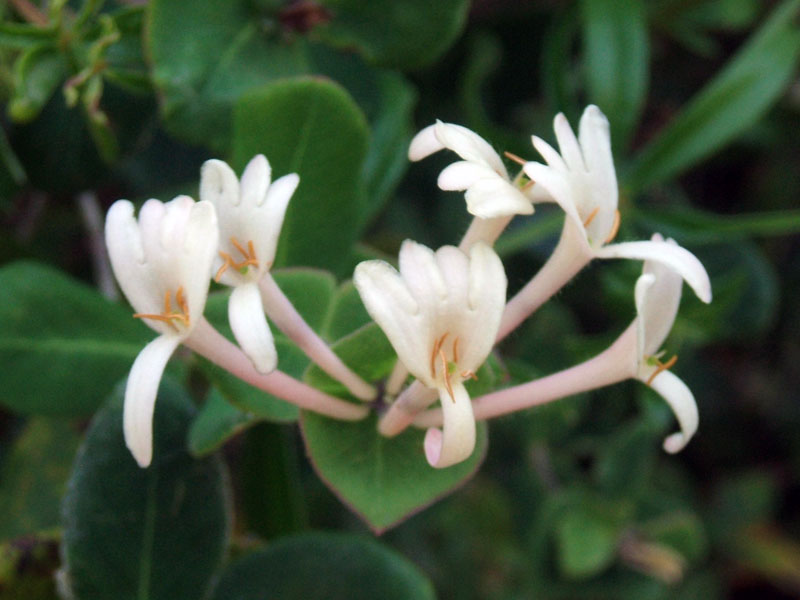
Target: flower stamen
x=469, y=375
x=436, y=347
x=249, y=255
x=591, y=216
x=614, y=227
x=455, y=350
x=517, y=159
x=446, y=373
x=168, y=316
x=661, y=368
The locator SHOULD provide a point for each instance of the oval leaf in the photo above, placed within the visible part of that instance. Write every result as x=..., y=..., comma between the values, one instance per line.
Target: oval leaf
x=155, y=533
x=324, y=566
x=311, y=127
x=54, y=324
x=383, y=480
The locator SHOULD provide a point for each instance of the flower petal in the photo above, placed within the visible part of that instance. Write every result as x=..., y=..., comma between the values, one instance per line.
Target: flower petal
x=657, y=304
x=675, y=257
x=457, y=440
x=271, y=215
x=568, y=144
x=218, y=184
x=424, y=144
x=463, y=173
x=486, y=301
x=469, y=146
x=496, y=197
x=421, y=274
x=140, y=396
x=557, y=185
x=255, y=182
x=395, y=310
x=250, y=328
x=125, y=251
x=680, y=399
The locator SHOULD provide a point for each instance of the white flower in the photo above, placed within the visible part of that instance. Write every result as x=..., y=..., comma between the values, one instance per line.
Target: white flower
x=250, y=216
x=441, y=313
x=658, y=294
x=163, y=265
x=583, y=181
x=490, y=191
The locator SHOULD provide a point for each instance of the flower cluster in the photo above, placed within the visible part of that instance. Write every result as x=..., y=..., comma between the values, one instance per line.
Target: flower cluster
x=164, y=263
x=434, y=302
x=443, y=311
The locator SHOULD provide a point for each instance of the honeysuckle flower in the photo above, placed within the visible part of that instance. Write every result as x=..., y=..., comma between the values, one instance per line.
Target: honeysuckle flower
x=440, y=313
x=634, y=355
x=583, y=181
x=163, y=265
x=490, y=191
x=250, y=216
x=658, y=295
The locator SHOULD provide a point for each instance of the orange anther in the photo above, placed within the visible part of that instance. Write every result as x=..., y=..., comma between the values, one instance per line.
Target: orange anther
x=446, y=373
x=168, y=316
x=469, y=375
x=591, y=216
x=517, y=159
x=614, y=227
x=528, y=186
x=455, y=350
x=662, y=367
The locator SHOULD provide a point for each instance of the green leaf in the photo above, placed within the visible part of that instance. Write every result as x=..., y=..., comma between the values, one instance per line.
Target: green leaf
x=57, y=326
x=329, y=566
x=310, y=291
x=383, y=480
x=37, y=74
x=586, y=540
x=557, y=77
x=216, y=423
x=311, y=127
x=695, y=227
x=155, y=533
x=387, y=157
x=733, y=101
x=681, y=531
x=616, y=57
x=205, y=54
x=405, y=35
x=347, y=312
x=34, y=477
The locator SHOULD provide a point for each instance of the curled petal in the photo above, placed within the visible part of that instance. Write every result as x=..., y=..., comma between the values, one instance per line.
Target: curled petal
x=469, y=146
x=462, y=174
x=140, y=396
x=424, y=144
x=250, y=328
x=496, y=197
x=456, y=441
x=681, y=401
x=673, y=256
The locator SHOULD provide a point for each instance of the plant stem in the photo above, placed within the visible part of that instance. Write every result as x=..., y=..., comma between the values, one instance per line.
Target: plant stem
x=616, y=363
x=208, y=342
x=283, y=313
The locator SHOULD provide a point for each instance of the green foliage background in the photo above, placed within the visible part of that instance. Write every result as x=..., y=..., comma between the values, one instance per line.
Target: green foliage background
x=123, y=99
